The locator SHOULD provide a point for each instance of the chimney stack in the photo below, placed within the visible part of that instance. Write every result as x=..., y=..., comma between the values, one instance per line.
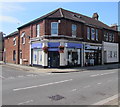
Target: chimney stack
x=95, y=16
x=114, y=26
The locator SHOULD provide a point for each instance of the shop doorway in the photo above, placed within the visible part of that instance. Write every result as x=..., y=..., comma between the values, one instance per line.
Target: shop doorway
x=53, y=59
x=72, y=58
x=20, y=56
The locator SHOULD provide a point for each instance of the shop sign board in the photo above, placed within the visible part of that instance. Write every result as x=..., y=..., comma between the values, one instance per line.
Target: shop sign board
x=73, y=45
x=53, y=44
x=92, y=47
x=36, y=45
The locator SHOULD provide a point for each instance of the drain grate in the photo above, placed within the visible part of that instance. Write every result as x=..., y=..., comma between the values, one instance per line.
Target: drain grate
x=56, y=97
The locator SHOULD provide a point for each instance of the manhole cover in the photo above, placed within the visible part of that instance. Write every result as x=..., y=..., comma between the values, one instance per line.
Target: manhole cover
x=56, y=97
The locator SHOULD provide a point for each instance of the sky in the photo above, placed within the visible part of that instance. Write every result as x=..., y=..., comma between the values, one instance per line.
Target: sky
x=15, y=14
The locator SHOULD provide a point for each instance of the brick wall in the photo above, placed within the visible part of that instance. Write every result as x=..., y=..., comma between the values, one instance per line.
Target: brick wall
x=25, y=48
x=65, y=27
x=30, y=31
x=9, y=47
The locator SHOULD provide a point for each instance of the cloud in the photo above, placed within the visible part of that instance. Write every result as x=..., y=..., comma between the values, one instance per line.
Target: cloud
x=9, y=19
x=10, y=7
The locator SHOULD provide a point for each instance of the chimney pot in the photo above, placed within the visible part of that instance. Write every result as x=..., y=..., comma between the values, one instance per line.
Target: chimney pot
x=95, y=16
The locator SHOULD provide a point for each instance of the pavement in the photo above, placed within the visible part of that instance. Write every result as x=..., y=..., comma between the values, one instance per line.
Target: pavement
x=65, y=70
x=24, y=85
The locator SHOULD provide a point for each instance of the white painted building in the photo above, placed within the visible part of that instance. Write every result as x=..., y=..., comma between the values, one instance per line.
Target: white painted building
x=111, y=52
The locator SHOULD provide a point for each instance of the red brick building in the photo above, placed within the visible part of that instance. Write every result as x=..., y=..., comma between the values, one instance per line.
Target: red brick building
x=11, y=45
x=63, y=38
x=1, y=45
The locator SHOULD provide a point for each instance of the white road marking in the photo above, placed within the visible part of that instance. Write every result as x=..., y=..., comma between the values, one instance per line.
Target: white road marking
x=30, y=75
x=86, y=86
x=10, y=78
x=25, y=102
x=20, y=76
x=74, y=90
x=94, y=75
x=99, y=83
x=17, y=89
x=1, y=76
x=107, y=73
x=102, y=74
x=106, y=100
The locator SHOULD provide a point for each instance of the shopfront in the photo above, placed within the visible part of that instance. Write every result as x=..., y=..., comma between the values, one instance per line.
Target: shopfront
x=53, y=54
x=74, y=54
x=111, y=52
x=36, y=53
x=56, y=54
x=93, y=55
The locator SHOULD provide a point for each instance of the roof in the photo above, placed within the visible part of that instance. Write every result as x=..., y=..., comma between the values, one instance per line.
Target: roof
x=62, y=13
x=12, y=34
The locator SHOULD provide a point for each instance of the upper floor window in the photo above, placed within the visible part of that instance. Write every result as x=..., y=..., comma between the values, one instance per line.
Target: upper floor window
x=14, y=55
x=23, y=38
x=113, y=37
x=93, y=34
x=88, y=33
x=54, y=28
x=105, y=36
x=96, y=34
x=110, y=37
x=14, y=41
x=74, y=28
x=38, y=30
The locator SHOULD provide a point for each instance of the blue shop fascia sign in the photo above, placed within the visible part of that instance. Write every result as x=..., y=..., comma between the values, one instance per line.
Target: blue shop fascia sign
x=36, y=45
x=73, y=45
x=55, y=45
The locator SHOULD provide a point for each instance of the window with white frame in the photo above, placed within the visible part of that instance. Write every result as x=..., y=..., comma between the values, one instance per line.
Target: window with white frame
x=110, y=37
x=74, y=28
x=23, y=38
x=88, y=33
x=14, y=41
x=110, y=54
x=40, y=57
x=106, y=36
x=96, y=34
x=115, y=54
x=92, y=34
x=54, y=28
x=38, y=30
x=113, y=38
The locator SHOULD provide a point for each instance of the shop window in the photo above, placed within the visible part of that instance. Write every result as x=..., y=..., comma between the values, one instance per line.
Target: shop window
x=92, y=34
x=74, y=28
x=23, y=38
x=110, y=54
x=14, y=55
x=115, y=54
x=14, y=41
x=88, y=33
x=54, y=28
x=40, y=57
x=96, y=35
x=38, y=30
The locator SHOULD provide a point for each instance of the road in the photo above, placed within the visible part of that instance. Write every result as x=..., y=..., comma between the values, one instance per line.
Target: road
x=78, y=88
